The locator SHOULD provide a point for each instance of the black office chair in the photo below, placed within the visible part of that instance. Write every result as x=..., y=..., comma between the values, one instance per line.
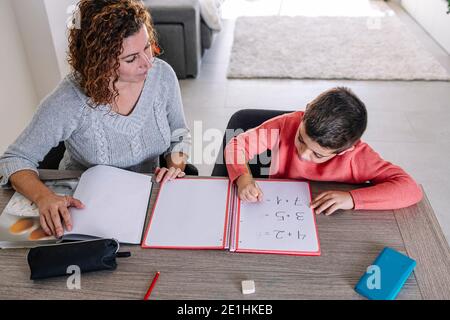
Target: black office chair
x=54, y=157
x=246, y=119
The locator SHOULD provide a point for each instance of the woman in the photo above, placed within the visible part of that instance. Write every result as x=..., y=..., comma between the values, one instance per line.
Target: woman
x=120, y=107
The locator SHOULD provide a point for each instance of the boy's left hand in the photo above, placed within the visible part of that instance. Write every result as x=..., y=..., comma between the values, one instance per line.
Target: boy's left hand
x=330, y=201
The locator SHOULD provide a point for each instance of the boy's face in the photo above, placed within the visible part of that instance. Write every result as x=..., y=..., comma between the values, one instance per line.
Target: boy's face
x=309, y=150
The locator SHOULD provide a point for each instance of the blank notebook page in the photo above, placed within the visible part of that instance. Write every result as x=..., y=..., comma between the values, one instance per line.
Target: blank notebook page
x=116, y=203
x=283, y=222
x=189, y=213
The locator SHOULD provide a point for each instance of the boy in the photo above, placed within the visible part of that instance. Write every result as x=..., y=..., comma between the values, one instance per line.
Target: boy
x=323, y=144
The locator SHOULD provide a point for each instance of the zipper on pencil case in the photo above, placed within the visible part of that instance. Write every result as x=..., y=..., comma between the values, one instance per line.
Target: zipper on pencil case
x=81, y=241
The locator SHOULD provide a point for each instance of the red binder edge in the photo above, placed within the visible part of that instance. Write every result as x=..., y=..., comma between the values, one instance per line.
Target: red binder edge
x=143, y=244
x=295, y=253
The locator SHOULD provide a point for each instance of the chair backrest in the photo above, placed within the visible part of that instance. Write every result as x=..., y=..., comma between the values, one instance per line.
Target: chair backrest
x=53, y=158
x=245, y=119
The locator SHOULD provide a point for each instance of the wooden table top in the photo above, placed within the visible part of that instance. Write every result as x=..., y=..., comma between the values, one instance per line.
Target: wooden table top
x=350, y=242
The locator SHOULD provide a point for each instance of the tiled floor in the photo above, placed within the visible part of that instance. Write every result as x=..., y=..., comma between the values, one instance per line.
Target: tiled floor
x=408, y=121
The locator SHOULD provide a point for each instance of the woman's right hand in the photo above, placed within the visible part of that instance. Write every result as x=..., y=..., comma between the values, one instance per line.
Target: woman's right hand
x=53, y=213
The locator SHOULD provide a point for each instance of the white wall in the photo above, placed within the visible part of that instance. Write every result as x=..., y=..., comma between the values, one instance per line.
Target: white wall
x=57, y=20
x=17, y=92
x=33, y=59
x=36, y=35
x=432, y=16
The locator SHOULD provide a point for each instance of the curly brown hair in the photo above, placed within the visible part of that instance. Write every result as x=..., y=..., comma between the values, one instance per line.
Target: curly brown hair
x=95, y=47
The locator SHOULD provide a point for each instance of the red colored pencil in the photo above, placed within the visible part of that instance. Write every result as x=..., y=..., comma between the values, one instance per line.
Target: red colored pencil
x=149, y=292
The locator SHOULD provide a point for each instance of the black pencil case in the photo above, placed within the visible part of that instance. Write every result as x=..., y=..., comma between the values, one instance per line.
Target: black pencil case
x=92, y=255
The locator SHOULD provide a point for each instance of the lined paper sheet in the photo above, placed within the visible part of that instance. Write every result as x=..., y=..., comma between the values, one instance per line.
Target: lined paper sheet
x=116, y=203
x=283, y=222
x=189, y=214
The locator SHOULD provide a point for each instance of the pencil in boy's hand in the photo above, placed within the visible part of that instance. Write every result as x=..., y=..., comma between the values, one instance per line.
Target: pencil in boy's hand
x=259, y=196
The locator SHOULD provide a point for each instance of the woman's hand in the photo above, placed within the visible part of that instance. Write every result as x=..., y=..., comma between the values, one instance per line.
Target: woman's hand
x=53, y=213
x=248, y=190
x=330, y=201
x=164, y=174
x=176, y=164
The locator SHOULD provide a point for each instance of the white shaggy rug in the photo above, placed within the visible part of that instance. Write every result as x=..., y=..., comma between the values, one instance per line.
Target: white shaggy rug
x=360, y=48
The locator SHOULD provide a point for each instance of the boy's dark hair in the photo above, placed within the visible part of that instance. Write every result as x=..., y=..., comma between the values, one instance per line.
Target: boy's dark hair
x=336, y=119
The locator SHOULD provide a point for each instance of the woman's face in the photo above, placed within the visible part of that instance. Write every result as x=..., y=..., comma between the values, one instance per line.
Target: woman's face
x=136, y=58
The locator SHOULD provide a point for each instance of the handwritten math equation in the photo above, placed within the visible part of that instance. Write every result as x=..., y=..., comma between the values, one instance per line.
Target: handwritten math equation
x=293, y=214
x=298, y=201
x=285, y=218
x=284, y=234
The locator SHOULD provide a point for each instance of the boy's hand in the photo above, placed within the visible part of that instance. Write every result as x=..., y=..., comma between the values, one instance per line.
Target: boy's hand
x=330, y=201
x=248, y=190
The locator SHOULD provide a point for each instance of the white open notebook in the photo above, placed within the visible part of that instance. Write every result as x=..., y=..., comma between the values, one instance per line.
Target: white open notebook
x=207, y=214
x=116, y=203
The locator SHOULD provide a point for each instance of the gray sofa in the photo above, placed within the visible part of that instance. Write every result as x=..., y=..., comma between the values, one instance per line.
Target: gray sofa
x=182, y=34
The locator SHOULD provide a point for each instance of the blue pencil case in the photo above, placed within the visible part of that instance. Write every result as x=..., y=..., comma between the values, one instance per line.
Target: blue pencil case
x=384, y=279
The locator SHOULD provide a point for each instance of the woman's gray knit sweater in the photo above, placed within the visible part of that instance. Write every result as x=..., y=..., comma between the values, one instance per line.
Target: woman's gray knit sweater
x=99, y=136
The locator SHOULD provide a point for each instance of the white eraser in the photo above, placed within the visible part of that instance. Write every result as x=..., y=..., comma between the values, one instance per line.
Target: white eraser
x=248, y=286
